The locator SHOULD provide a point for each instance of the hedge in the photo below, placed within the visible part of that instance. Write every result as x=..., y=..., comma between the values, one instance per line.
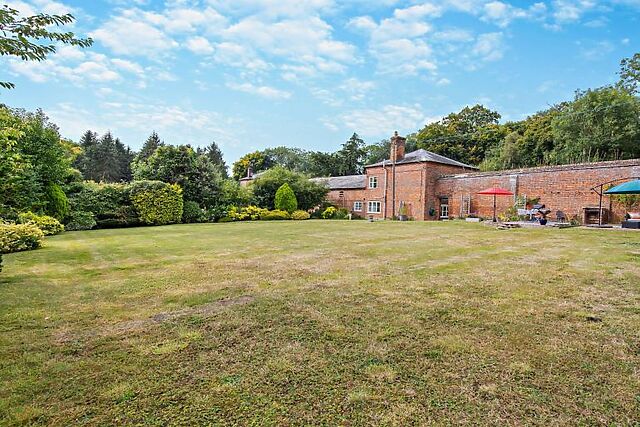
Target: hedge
x=19, y=237
x=157, y=203
x=80, y=221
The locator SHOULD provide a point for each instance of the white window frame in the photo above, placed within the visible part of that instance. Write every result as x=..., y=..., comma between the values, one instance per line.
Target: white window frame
x=374, y=203
x=373, y=182
x=357, y=206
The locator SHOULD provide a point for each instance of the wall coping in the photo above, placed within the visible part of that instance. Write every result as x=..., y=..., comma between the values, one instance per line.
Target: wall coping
x=545, y=169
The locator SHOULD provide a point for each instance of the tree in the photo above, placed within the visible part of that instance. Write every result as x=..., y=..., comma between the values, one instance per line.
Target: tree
x=199, y=178
x=149, y=147
x=630, y=74
x=323, y=164
x=34, y=163
x=294, y=159
x=601, y=124
x=22, y=37
x=351, y=156
x=214, y=154
x=380, y=151
x=104, y=159
x=464, y=136
x=257, y=161
x=286, y=199
x=308, y=194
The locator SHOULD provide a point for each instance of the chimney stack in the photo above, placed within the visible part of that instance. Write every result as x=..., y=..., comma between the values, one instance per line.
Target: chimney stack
x=249, y=172
x=397, y=147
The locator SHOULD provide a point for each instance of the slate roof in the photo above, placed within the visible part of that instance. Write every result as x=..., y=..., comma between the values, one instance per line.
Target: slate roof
x=342, y=182
x=420, y=156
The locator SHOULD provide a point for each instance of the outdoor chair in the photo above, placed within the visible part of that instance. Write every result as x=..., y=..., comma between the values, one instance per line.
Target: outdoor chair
x=561, y=217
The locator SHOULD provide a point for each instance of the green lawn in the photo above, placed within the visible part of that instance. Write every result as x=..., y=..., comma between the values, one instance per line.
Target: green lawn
x=322, y=323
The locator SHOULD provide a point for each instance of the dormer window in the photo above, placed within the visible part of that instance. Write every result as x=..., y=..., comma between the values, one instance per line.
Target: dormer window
x=373, y=182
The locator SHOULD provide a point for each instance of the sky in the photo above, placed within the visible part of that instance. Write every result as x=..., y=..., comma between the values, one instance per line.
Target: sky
x=251, y=74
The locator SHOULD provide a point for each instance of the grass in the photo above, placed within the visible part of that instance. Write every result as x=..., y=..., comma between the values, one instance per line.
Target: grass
x=322, y=323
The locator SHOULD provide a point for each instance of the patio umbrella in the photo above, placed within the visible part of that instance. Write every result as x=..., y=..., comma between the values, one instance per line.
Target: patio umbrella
x=629, y=187
x=495, y=191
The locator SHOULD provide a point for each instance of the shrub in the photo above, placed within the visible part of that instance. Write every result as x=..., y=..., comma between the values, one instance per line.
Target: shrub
x=308, y=194
x=48, y=224
x=341, y=213
x=57, y=202
x=19, y=237
x=192, y=212
x=286, y=199
x=329, y=213
x=156, y=202
x=247, y=213
x=104, y=201
x=275, y=215
x=0, y=263
x=300, y=215
x=80, y=221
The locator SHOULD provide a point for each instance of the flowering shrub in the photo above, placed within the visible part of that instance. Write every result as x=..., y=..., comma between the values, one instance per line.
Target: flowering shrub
x=48, y=224
x=247, y=213
x=19, y=237
x=300, y=215
x=329, y=213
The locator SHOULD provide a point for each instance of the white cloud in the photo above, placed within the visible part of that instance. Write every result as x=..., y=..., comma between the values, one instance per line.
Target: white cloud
x=504, y=13
x=199, y=45
x=130, y=35
x=92, y=67
x=380, y=122
x=300, y=40
x=128, y=66
x=489, y=47
x=273, y=8
x=571, y=10
x=263, y=91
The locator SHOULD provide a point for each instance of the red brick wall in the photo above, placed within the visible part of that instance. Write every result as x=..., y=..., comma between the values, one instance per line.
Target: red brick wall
x=565, y=188
x=346, y=198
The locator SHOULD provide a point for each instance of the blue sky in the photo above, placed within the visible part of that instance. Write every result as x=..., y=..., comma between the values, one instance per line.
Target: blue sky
x=251, y=74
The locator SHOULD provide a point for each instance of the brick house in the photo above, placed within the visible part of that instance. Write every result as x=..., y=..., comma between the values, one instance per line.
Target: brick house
x=427, y=186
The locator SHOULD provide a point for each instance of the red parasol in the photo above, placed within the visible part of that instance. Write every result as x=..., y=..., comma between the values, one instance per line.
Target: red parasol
x=495, y=191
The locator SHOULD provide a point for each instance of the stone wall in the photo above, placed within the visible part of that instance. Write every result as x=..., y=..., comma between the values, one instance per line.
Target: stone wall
x=565, y=188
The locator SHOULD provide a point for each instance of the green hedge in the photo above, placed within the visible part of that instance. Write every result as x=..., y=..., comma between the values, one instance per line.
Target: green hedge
x=19, y=237
x=124, y=205
x=80, y=221
x=157, y=203
x=48, y=224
